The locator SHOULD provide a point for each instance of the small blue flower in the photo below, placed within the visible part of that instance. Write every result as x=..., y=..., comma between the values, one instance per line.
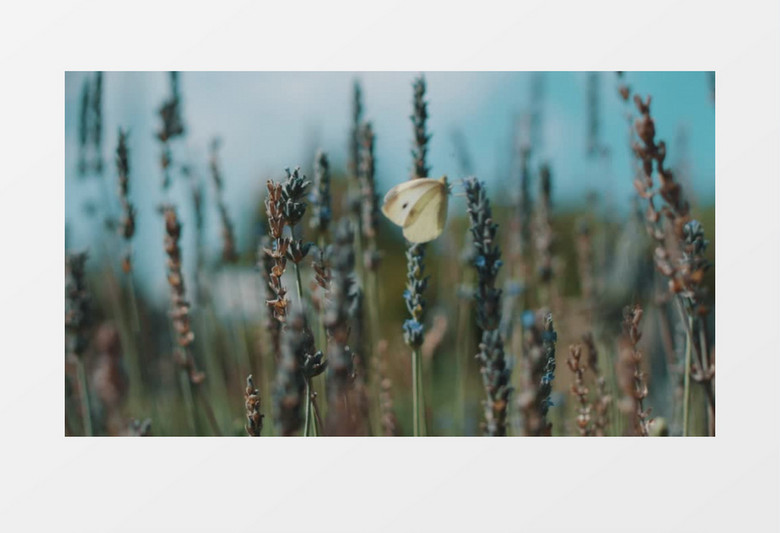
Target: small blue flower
x=528, y=319
x=412, y=326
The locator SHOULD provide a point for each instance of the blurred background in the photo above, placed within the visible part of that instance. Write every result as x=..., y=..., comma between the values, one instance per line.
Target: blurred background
x=575, y=122
x=269, y=121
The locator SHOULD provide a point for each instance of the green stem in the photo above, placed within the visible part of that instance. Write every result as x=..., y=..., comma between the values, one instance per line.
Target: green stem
x=298, y=284
x=186, y=390
x=370, y=358
x=209, y=411
x=460, y=371
x=423, y=413
x=316, y=418
x=307, y=416
x=687, y=378
x=418, y=400
x=136, y=323
x=85, y=411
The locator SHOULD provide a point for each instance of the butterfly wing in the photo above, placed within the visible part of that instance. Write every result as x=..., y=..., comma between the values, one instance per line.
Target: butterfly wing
x=426, y=220
x=401, y=199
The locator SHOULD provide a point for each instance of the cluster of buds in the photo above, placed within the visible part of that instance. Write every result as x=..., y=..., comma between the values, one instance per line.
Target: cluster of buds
x=254, y=419
x=284, y=207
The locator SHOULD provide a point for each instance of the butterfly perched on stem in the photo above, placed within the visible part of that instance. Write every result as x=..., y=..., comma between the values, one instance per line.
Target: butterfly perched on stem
x=419, y=206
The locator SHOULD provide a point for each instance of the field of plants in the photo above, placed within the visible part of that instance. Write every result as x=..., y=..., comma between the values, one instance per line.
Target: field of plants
x=525, y=317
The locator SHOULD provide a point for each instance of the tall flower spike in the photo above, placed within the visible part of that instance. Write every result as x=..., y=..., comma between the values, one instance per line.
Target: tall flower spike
x=229, y=253
x=354, y=134
x=272, y=324
x=579, y=390
x=631, y=377
x=369, y=196
x=180, y=312
x=172, y=126
x=338, y=312
x=487, y=262
x=539, y=371
x=84, y=120
x=96, y=132
x=414, y=330
x=543, y=234
x=416, y=282
x=321, y=213
x=276, y=251
x=78, y=306
x=678, y=254
x=603, y=400
x=127, y=226
x=78, y=319
x=421, y=136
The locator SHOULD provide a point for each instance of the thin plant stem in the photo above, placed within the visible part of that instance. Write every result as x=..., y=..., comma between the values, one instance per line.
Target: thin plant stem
x=307, y=415
x=374, y=337
x=85, y=411
x=317, y=419
x=460, y=368
x=298, y=283
x=416, y=396
x=421, y=391
x=133, y=304
x=189, y=404
x=239, y=333
x=209, y=411
x=687, y=378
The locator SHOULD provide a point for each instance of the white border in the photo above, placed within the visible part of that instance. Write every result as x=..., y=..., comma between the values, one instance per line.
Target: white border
x=723, y=484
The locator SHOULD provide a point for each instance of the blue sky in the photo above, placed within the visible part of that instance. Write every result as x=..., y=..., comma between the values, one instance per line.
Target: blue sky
x=272, y=120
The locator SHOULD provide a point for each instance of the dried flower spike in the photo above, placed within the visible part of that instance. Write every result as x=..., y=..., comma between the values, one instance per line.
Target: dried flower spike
x=579, y=390
x=180, y=313
x=631, y=377
x=252, y=404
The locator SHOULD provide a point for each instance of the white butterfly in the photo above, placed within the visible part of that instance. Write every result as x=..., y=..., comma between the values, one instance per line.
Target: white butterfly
x=419, y=206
